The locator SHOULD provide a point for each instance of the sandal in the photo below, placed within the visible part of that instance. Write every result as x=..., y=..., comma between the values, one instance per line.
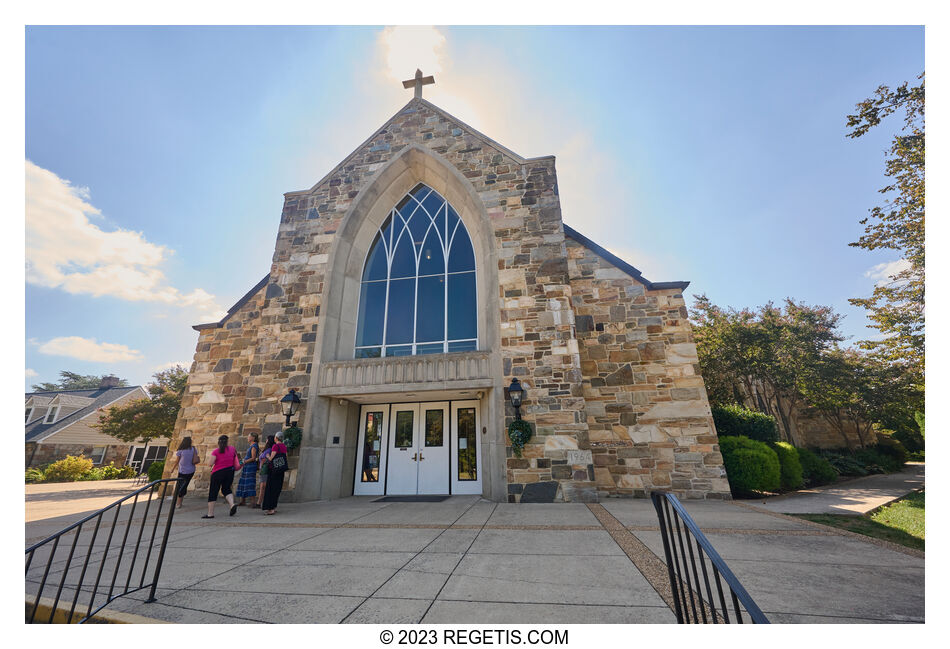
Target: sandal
x=206, y=516
x=233, y=510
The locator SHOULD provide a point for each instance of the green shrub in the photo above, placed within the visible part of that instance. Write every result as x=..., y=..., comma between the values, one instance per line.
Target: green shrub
x=734, y=420
x=876, y=462
x=155, y=470
x=35, y=475
x=845, y=464
x=911, y=439
x=791, y=477
x=892, y=448
x=109, y=472
x=816, y=470
x=69, y=469
x=751, y=466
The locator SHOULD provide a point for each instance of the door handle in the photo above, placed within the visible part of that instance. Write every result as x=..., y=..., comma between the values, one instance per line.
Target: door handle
x=420, y=457
x=415, y=457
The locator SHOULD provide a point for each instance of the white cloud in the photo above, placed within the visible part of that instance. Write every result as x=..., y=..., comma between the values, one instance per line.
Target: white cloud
x=882, y=273
x=87, y=349
x=168, y=366
x=31, y=373
x=65, y=250
x=407, y=48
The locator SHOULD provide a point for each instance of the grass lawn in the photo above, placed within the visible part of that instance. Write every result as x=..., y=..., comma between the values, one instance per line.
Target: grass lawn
x=900, y=522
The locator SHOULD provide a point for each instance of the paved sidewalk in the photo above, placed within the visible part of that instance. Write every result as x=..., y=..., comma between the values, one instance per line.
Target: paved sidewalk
x=852, y=497
x=466, y=560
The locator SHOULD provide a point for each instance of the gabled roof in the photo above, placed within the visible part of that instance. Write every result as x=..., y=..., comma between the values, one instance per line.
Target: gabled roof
x=411, y=106
x=98, y=398
x=571, y=233
x=237, y=305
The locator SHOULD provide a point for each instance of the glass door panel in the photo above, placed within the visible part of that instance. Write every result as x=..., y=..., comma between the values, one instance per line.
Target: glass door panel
x=466, y=448
x=370, y=451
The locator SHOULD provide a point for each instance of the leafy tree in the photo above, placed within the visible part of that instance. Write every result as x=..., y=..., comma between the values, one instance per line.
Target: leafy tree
x=145, y=419
x=897, y=305
x=782, y=361
x=765, y=355
x=72, y=381
x=848, y=389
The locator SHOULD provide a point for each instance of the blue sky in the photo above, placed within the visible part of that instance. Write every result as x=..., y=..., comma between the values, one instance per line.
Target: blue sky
x=157, y=158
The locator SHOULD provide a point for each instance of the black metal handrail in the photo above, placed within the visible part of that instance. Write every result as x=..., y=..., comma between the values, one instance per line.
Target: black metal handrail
x=77, y=527
x=687, y=591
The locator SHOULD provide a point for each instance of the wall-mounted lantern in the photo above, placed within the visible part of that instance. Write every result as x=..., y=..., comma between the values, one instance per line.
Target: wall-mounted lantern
x=516, y=393
x=289, y=404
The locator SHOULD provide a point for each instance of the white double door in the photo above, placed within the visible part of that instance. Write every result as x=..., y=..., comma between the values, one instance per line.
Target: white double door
x=418, y=448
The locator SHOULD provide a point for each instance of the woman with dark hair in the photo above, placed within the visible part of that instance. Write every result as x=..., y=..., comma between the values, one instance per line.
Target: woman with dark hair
x=248, y=480
x=265, y=465
x=222, y=475
x=277, y=466
x=186, y=458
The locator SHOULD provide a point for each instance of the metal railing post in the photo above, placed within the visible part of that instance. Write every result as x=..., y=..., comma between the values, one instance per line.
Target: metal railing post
x=53, y=543
x=161, y=551
x=671, y=513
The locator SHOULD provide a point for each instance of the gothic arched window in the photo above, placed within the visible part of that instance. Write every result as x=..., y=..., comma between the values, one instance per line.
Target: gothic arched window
x=417, y=294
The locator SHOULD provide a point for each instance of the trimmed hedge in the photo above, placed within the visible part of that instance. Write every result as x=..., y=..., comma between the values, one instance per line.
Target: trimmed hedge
x=155, y=470
x=734, y=420
x=751, y=465
x=816, y=470
x=791, y=477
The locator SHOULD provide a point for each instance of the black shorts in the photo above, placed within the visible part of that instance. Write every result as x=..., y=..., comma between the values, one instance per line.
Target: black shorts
x=185, y=479
x=222, y=480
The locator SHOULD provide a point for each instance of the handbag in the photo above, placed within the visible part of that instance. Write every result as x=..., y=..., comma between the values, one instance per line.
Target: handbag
x=279, y=462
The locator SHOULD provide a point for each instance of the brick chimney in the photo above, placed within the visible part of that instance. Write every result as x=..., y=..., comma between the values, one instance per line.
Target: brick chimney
x=109, y=382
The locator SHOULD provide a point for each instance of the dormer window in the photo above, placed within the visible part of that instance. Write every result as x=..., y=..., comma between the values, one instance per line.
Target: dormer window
x=29, y=414
x=51, y=415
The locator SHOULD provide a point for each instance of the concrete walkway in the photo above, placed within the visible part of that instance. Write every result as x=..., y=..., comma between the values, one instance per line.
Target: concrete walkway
x=852, y=497
x=466, y=560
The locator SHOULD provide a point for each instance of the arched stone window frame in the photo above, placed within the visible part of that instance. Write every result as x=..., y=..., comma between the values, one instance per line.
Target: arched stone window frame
x=422, y=245
x=358, y=228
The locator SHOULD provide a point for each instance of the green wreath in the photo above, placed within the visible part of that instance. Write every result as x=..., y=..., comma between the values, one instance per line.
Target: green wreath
x=292, y=437
x=519, y=432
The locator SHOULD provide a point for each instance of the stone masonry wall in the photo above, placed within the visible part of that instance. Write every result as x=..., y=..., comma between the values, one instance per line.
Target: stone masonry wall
x=647, y=412
x=239, y=373
x=244, y=365
x=534, y=296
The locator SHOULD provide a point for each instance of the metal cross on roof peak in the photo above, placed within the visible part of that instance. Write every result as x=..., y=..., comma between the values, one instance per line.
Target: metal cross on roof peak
x=418, y=81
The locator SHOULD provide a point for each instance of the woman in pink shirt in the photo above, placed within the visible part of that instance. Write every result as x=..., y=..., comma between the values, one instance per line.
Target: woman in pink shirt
x=224, y=462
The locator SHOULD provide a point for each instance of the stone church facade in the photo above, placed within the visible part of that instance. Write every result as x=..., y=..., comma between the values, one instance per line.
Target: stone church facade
x=614, y=391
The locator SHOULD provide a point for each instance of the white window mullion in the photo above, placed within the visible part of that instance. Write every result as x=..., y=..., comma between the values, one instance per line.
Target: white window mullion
x=389, y=265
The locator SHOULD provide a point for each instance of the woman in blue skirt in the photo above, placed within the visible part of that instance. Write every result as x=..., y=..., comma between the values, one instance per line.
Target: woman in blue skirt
x=247, y=483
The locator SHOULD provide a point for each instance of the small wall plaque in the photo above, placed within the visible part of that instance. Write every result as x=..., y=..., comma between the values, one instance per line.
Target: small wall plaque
x=579, y=457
